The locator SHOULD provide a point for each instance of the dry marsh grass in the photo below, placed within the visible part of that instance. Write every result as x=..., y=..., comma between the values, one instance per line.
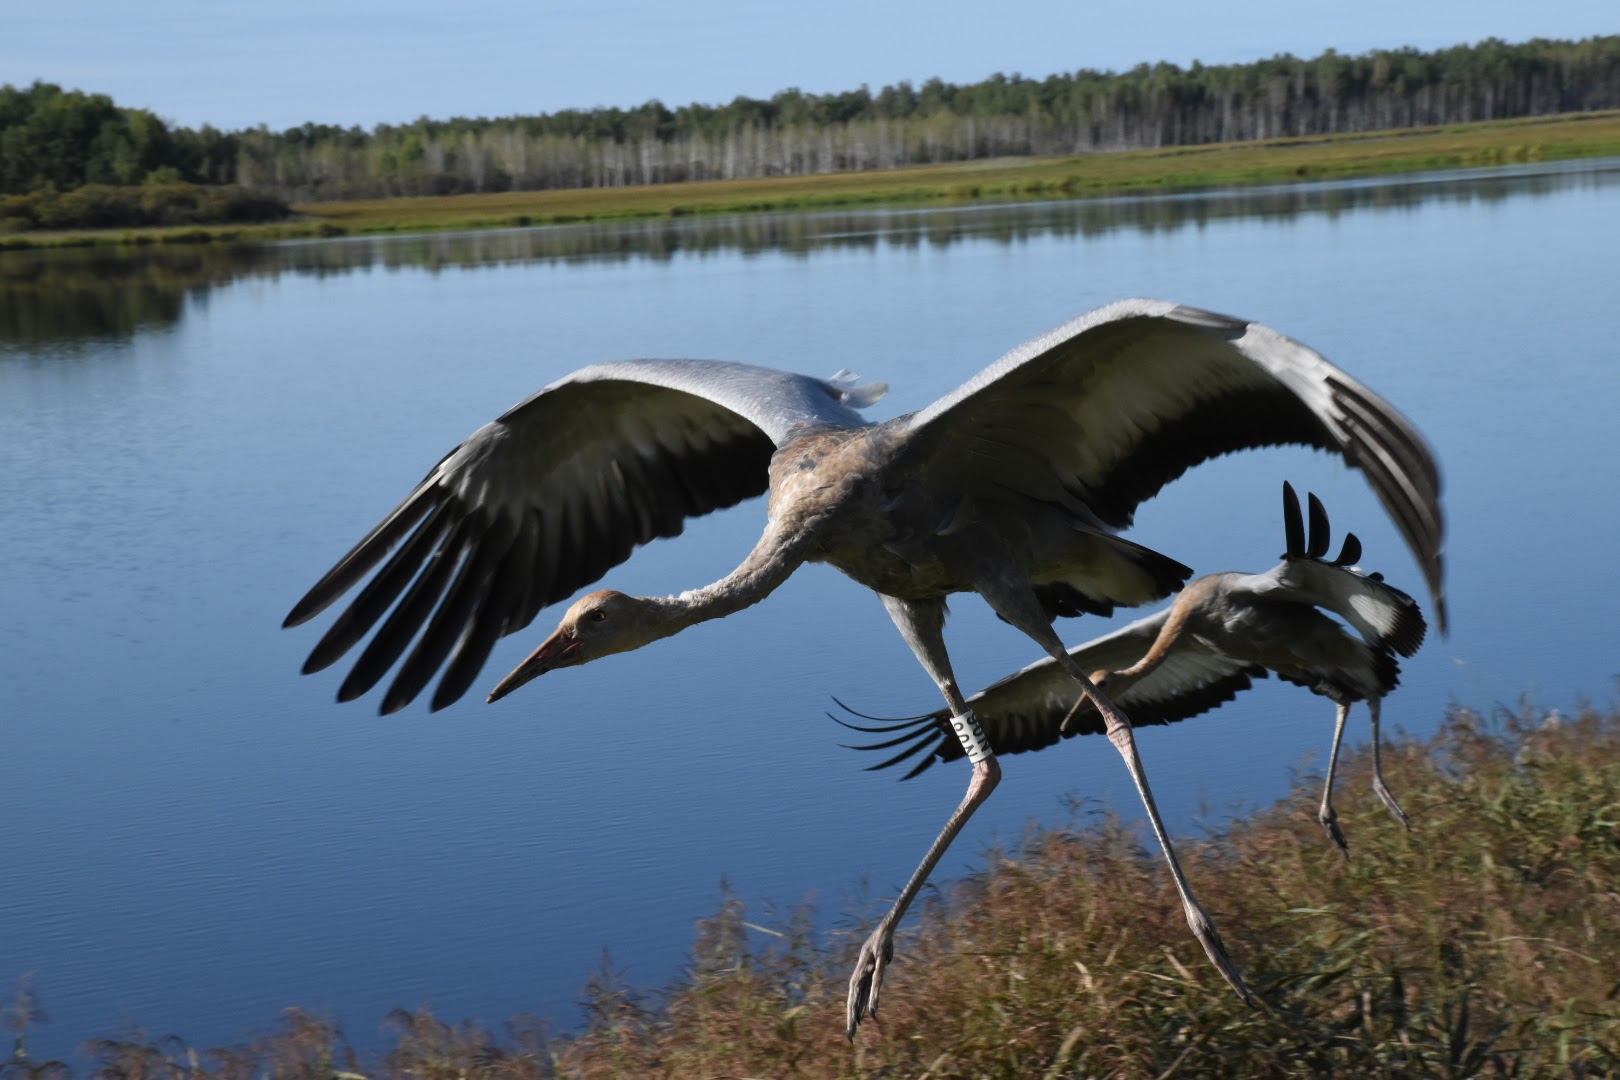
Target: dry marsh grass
x=1486, y=943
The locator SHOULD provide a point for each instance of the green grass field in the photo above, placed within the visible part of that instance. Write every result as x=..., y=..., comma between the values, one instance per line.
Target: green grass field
x=1003, y=179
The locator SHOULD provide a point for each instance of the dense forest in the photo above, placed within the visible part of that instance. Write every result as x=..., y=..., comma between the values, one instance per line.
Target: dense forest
x=56, y=140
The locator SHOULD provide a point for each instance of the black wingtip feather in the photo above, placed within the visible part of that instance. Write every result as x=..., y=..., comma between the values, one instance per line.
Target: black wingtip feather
x=1321, y=533
x=921, y=732
x=922, y=743
x=905, y=736
x=1405, y=476
x=468, y=661
x=378, y=595
x=1410, y=628
x=1293, y=523
x=1350, y=553
x=1388, y=670
x=412, y=611
x=450, y=623
x=876, y=729
x=490, y=622
x=921, y=767
x=362, y=557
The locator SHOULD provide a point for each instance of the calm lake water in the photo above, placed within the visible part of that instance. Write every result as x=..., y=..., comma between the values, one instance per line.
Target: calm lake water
x=194, y=836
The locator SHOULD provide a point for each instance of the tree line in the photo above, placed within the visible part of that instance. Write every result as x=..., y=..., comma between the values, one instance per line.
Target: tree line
x=56, y=139
x=71, y=160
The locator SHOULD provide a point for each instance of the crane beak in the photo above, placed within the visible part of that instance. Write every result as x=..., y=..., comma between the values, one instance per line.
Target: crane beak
x=561, y=649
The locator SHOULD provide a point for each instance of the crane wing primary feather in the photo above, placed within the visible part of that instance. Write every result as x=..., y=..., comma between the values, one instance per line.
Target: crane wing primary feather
x=548, y=497
x=1025, y=710
x=1105, y=410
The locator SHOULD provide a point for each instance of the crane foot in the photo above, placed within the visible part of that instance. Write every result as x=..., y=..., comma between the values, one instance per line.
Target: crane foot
x=867, y=980
x=1388, y=798
x=1203, y=928
x=1330, y=824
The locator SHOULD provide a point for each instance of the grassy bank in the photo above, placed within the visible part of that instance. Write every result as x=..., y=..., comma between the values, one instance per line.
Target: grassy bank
x=1487, y=943
x=1173, y=169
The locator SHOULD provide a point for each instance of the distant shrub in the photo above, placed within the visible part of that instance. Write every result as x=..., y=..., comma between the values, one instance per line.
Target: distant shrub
x=188, y=236
x=105, y=206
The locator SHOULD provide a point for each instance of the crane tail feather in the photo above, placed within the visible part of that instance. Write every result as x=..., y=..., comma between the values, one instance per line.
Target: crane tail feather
x=1293, y=523
x=1350, y=553
x=1321, y=532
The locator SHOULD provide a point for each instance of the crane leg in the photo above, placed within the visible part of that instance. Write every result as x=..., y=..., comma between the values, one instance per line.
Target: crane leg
x=1327, y=815
x=1020, y=608
x=1380, y=788
x=922, y=623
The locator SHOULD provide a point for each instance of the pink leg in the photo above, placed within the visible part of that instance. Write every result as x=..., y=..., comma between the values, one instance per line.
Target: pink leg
x=1020, y=610
x=866, y=982
x=1326, y=815
x=922, y=624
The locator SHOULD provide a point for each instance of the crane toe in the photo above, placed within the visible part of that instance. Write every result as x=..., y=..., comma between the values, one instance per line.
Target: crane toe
x=1388, y=798
x=1330, y=825
x=1203, y=928
x=866, y=981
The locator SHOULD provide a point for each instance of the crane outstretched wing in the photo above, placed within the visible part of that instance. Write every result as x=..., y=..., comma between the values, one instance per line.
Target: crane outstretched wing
x=1026, y=710
x=548, y=497
x=1105, y=410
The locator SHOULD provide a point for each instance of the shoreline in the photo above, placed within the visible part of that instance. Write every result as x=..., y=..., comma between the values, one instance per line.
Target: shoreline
x=997, y=180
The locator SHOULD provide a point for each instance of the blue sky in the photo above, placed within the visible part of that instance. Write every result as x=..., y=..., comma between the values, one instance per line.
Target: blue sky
x=363, y=61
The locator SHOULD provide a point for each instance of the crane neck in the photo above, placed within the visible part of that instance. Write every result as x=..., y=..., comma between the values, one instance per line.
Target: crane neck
x=1175, y=624
x=780, y=551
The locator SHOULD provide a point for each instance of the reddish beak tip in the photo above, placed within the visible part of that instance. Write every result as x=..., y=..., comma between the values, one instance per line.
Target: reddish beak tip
x=556, y=651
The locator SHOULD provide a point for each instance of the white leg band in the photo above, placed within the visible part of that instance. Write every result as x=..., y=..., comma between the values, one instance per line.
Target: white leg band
x=971, y=736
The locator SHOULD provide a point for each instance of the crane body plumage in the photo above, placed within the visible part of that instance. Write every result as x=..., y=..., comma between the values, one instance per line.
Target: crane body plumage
x=886, y=527
x=1013, y=487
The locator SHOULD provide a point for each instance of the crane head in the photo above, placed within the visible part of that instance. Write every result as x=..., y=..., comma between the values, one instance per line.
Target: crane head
x=598, y=624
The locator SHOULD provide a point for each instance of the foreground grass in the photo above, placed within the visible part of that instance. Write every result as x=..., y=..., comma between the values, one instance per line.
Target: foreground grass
x=1485, y=944
x=1173, y=169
